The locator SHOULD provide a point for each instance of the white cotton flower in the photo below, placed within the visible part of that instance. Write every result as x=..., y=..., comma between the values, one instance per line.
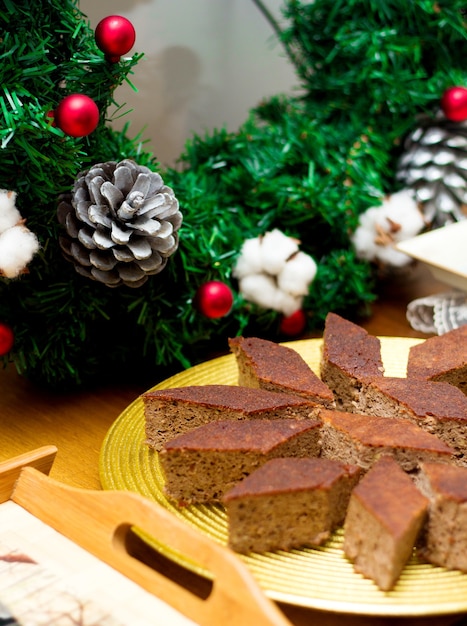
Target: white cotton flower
x=392, y=258
x=381, y=227
x=273, y=273
x=9, y=214
x=17, y=247
x=363, y=241
x=287, y=303
x=249, y=261
x=258, y=288
x=17, y=243
x=276, y=249
x=263, y=291
x=297, y=274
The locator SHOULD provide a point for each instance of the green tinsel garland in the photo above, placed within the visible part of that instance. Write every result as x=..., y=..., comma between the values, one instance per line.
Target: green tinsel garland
x=307, y=164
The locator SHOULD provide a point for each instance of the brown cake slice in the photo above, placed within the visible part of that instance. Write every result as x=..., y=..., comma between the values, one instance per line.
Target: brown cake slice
x=363, y=439
x=441, y=358
x=349, y=356
x=445, y=533
x=437, y=407
x=288, y=503
x=201, y=465
x=171, y=412
x=385, y=514
x=268, y=365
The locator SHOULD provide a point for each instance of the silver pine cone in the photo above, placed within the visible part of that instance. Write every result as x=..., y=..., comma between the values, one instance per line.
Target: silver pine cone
x=434, y=166
x=121, y=223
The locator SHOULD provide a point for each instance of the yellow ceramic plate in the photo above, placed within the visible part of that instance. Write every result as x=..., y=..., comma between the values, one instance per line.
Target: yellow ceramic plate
x=319, y=578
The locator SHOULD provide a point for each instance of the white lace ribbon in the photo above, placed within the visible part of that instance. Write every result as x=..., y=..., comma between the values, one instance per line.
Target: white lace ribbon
x=438, y=313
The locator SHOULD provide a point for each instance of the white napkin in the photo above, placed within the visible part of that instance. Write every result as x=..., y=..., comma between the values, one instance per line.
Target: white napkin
x=438, y=313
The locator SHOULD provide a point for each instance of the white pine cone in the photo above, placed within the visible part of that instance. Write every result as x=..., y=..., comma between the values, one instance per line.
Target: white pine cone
x=434, y=166
x=121, y=223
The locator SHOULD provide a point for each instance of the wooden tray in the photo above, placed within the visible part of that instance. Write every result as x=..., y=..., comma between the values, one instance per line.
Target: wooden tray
x=39, y=517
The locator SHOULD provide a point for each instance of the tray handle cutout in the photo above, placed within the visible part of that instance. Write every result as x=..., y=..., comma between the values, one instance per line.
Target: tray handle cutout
x=100, y=522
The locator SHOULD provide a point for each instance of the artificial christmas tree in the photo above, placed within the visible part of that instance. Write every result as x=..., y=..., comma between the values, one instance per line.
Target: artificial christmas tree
x=49, y=55
x=309, y=165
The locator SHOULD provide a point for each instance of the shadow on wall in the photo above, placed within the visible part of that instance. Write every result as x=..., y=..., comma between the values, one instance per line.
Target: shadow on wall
x=205, y=64
x=172, y=100
x=171, y=84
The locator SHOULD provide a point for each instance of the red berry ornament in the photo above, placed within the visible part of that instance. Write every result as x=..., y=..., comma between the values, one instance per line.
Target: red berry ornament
x=77, y=115
x=454, y=104
x=294, y=324
x=214, y=299
x=7, y=339
x=115, y=35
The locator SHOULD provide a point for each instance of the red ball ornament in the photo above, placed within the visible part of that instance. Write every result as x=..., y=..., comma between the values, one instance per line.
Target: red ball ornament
x=7, y=339
x=115, y=35
x=454, y=104
x=294, y=324
x=214, y=299
x=77, y=115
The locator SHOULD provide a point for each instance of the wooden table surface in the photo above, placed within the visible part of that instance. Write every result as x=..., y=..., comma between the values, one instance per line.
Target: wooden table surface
x=77, y=422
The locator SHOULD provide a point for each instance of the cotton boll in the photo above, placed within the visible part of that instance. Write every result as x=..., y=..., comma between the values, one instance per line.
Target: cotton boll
x=259, y=289
x=263, y=291
x=287, y=303
x=273, y=273
x=363, y=241
x=412, y=224
x=297, y=274
x=401, y=203
x=401, y=208
x=380, y=228
x=276, y=248
x=17, y=247
x=249, y=261
x=9, y=214
x=392, y=257
x=7, y=200
x=368, y=219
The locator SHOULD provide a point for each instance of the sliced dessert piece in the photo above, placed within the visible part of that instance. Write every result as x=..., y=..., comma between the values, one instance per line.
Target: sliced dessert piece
x=288, y=503
x=362, y=439
x=201, y=465
x=268, y=365
x=439, y=408
x=441, y=358
x=170, y=412
x=445, y=533
x=385, y=514
x=349, y=356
